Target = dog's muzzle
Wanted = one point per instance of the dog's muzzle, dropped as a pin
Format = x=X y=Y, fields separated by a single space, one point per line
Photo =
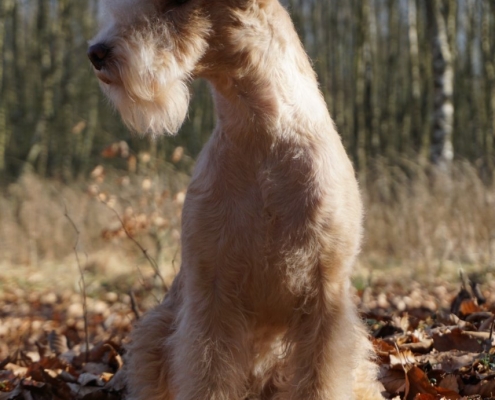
x=97 y=54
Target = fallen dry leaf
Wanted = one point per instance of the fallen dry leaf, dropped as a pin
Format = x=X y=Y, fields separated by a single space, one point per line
x=43 y=347
x=456 y=339
x=417 y=383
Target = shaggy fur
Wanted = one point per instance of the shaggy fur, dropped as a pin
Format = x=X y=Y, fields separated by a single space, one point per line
x=261 y=307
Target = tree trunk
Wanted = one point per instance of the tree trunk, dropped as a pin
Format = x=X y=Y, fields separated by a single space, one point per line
x=489 y=65
x=441 y=149
x=5 y=8
x=40 y=150
x=416 y=123
x=360 y=111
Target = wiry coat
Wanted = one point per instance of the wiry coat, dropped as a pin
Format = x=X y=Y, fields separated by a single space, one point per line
x=272 y=220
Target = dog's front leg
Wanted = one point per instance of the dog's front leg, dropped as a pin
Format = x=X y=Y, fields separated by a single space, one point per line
x=210 y=351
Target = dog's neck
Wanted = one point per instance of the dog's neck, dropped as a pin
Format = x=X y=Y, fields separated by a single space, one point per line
x=271 y=86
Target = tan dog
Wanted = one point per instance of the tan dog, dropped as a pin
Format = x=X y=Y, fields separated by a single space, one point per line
x=272 y=220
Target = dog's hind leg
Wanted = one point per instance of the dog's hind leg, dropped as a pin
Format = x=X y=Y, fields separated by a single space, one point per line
x=325 y=348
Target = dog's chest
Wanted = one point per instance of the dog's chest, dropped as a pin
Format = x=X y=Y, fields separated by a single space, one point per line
x=251 y=219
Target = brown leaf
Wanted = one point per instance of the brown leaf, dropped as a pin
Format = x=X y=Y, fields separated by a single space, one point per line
x=484 y=389
x=450 y=361
x=418 y=387
x=425 y=396
x=468 y=307
x=57 y=342
x=16 y=369
x=465 y=304
x=177 y=154
x=422 y=347
x=52 y=363
x=405 y=357
x=450 y=382
x=456 y=339
x=382 y=347
x=448 y=394
x=393 y=380
x=383 y=350
x=417 y=383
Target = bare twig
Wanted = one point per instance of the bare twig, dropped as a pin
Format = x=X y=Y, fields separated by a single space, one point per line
x=488 y=343
x=150 y=259
x=400 y=355
x=134 y=307
x=174 y=259
x=82 y=282
x=465 y=282
x=143 y=283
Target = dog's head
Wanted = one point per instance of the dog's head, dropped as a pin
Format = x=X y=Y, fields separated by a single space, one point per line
x=148 y=50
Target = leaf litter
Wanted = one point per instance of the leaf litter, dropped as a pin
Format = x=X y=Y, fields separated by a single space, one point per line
x=432 y=342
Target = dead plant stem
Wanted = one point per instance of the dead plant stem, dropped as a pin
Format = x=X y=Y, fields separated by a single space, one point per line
x=82 y=282
x=150 y=259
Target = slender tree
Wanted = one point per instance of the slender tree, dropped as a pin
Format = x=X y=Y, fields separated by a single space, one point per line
x=416 y=123
x=392 y=73
x=5 y=10
x=442 y=151
x=489 y=69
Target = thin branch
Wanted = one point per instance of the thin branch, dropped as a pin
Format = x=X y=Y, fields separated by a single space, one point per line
x=150 y=259
x=490 y=338
x=175 y=258
x=82 y=282
x=134 y=307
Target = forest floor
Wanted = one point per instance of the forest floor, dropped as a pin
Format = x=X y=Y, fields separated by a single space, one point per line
x=433 y=338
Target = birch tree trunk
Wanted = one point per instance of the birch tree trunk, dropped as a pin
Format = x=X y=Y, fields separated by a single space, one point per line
x=441 y=149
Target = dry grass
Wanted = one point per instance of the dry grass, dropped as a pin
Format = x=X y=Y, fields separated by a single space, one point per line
x=37 y=240
x=428 y=222
x=418 y=224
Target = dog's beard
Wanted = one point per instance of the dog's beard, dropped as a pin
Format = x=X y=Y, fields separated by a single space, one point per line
x=164 y=112
x=148 y=88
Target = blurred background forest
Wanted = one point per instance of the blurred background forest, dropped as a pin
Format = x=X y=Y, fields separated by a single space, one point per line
x=409 y=83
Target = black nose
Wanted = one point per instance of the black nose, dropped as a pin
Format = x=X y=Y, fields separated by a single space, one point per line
x=97 y=55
